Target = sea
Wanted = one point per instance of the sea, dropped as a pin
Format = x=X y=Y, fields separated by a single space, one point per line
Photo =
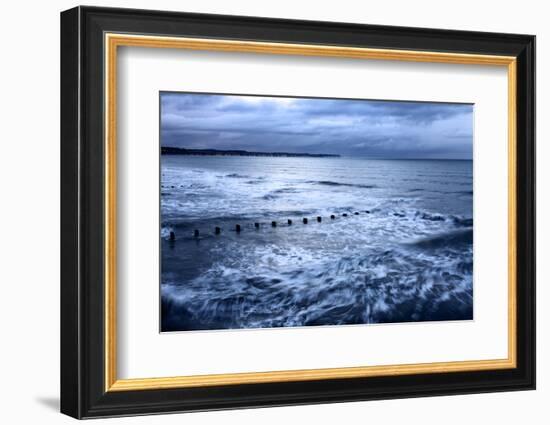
x=386 y=241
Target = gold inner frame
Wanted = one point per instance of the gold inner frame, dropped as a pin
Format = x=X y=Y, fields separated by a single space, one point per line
x=113 y=41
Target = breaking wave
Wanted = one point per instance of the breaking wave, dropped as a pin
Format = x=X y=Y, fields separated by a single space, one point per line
x=425 y=278
x=400 y=253
x=385 y=286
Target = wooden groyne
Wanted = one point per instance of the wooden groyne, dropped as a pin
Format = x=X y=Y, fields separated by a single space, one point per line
x=239 y=228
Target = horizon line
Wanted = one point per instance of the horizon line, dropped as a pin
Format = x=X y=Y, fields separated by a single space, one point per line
x=333 y=155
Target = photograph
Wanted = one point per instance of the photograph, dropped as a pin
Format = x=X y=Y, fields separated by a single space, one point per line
x=291 y=211
x=268 y=211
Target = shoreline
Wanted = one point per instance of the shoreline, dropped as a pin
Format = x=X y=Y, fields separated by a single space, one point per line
x=169 y=150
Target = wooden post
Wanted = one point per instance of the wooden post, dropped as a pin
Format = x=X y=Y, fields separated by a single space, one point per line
x=196 y=233
x=217 y=230
x=356 y=213
x=237 y=228
x=289 y=221
x=304 y=220
x=319 y=219
x=345 y=215
x=172 y=236
x=332 y=217
x=273 y=224
x=257 y=225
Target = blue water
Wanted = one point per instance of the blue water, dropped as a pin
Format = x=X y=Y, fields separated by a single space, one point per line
x=406 y=256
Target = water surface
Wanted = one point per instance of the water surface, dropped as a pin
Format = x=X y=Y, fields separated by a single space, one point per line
x=406 y=256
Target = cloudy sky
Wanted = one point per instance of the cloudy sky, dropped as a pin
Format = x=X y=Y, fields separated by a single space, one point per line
x=376 y=129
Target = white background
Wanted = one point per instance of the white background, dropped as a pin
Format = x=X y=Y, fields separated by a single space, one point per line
x=29 y=228
x=140 y=346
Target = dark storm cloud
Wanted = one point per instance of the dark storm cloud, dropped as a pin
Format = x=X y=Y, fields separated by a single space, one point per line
x=348 y=127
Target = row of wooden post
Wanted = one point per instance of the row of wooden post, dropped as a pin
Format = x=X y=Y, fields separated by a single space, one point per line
x=238 y=228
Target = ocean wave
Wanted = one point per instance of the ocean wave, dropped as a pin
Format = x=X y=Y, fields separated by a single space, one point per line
x=333 y=183
x=278 y=193
x=286 y=190
x=397 y=220
x=377 y=287
x=454 y=239
x=406 y=256
x=236 y=176
x=455 y=192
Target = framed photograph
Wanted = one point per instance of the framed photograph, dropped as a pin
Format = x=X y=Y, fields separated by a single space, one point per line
x=261 y=212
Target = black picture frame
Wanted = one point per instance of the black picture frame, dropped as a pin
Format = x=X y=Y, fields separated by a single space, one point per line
x=83 y=392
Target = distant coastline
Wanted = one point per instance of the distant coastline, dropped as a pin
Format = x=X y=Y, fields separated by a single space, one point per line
x=170 y=150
